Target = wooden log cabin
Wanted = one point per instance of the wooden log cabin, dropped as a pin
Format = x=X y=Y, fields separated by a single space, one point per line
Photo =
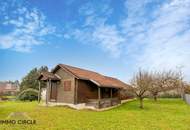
x=72 y=85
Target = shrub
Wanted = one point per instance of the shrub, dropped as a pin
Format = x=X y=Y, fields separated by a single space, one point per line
x=28 y=94
x=168 y=95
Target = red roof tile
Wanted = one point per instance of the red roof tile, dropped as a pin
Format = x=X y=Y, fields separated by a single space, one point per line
x=99 y=79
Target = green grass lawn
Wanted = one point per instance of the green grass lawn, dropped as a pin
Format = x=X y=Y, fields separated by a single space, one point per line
x=165 y=114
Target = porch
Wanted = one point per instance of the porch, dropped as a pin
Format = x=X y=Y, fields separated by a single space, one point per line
x=50 y=93
x=103 y=103
x=107 y=97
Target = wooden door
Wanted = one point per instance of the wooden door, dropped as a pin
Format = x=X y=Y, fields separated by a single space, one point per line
x=53 y=95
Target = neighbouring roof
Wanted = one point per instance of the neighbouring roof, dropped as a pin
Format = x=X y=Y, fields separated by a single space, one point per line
x=48 y=76
x=98 y=79
x=6 y=86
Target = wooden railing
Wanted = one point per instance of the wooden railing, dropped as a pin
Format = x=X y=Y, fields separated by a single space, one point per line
x=102 y=103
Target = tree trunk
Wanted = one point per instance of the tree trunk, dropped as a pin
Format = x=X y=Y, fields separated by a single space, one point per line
x=183 y=94
x=141 y=103
x=155 y=98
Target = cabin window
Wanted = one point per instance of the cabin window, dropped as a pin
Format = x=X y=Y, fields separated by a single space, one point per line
x=67 y=85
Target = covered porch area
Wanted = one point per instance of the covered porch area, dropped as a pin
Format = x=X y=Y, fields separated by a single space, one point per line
x=107 y=97
x=51 y=82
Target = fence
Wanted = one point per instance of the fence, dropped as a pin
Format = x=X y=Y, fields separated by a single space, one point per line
x=105 y=102
x=187 y=98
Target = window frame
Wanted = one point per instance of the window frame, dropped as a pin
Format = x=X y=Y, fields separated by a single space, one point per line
x=67 y=85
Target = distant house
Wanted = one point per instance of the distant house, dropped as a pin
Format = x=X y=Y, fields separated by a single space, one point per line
x=76 y=86
x=8 y=88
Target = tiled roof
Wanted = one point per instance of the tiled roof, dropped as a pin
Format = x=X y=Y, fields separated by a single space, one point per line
x=99 y=79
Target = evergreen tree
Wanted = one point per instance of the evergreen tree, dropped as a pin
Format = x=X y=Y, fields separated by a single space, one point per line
x=30 y=80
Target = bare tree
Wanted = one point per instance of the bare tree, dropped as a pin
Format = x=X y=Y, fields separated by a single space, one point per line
x=155 y=87
x=145 y=83
x=140 y=85
x=164 y=81
x=186 y=88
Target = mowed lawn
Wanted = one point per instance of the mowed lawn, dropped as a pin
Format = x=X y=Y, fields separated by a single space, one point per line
x=165 y=114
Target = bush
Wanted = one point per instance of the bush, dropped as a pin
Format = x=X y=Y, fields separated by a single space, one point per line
x=168 y=95
x=28 y=94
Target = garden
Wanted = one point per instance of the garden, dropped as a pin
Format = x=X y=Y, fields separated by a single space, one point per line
x=164 y=114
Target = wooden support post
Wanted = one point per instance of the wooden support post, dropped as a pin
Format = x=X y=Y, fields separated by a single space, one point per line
x=56 y=90
x=76 y=91
x=111 y=96
x=47 y=91
x=111 y=93
x=39 y=91
x=50 y=90
x=99 y=96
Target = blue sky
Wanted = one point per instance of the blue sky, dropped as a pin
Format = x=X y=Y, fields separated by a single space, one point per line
x=113 y=37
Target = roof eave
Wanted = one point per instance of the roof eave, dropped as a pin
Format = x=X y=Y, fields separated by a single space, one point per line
x=117 y=87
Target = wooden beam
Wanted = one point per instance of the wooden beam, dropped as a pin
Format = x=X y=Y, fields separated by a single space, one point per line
x=47 y=91
x=111 y=96
x=39 y=91
x=111 y=93
x=76 y=90
x=99 y=96
x=50 y=90
x=56 y=85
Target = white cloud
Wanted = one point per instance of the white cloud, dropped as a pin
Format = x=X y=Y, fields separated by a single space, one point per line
x=109 y=39
x=96 y=31
x=164 y=40
x=28 y=27
x=154 y=38
x=105 y=36
x=66 y=36
x=154 y=34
